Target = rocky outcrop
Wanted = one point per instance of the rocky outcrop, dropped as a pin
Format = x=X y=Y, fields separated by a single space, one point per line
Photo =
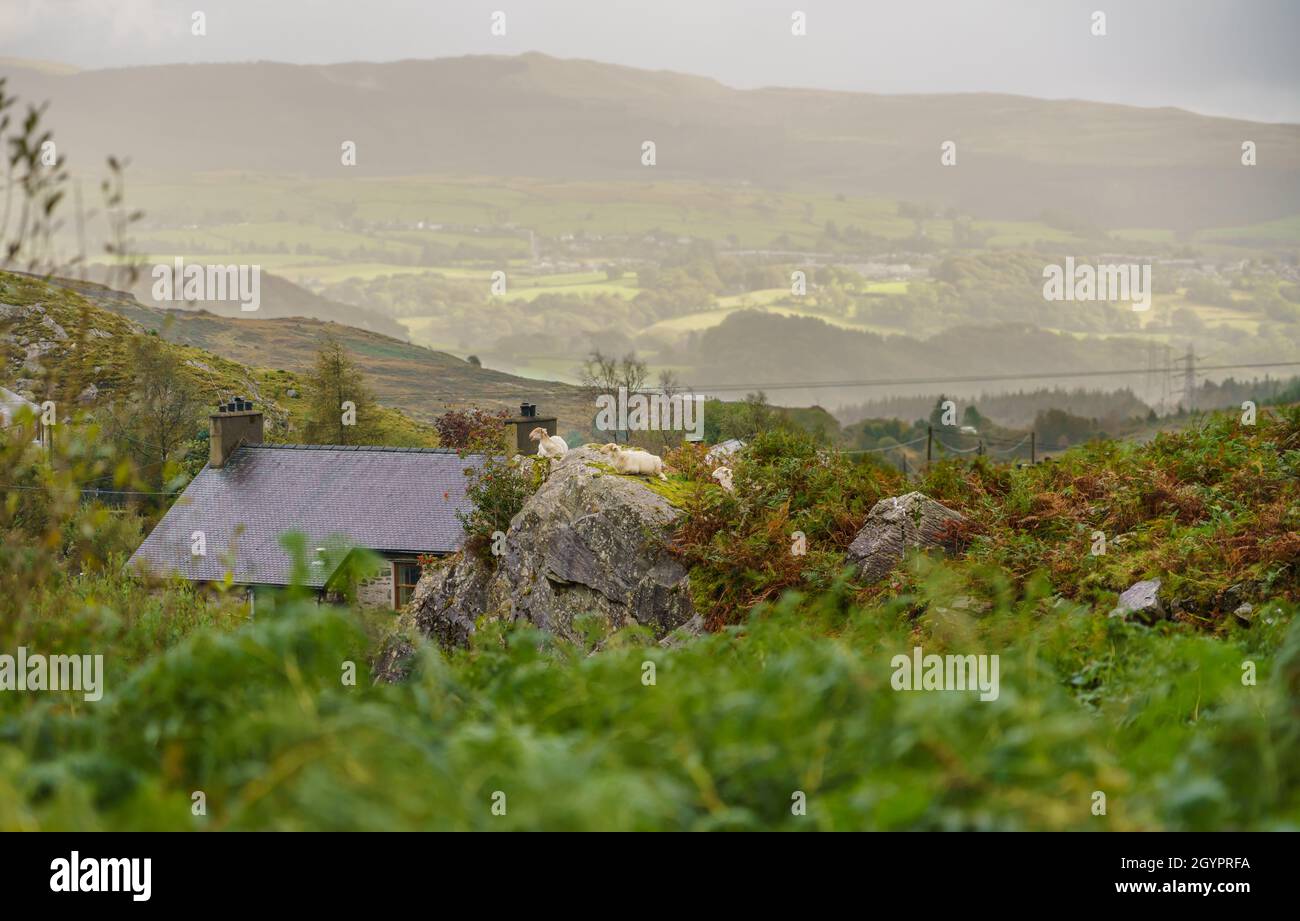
x=896 y=525
x=449 y=599
x=588 y=543
x=1141 y=600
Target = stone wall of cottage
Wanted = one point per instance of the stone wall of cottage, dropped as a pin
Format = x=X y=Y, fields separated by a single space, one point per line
x=377 y=591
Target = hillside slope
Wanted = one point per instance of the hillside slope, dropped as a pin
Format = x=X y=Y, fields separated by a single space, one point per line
x=56 y=344
x=279 y=297
x=418 y=381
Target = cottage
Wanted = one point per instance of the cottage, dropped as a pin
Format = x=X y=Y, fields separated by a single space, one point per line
x=17 y=411
x=398 y=503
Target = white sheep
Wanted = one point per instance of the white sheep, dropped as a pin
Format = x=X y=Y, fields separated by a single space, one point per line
x=723 y=476
x=548 y=445
x=639 y=463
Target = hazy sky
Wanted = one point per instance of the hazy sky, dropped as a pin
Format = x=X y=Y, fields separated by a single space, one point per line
x=1221 y=57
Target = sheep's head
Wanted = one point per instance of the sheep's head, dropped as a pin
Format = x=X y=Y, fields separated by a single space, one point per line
x=609 y=448
x=538 y=434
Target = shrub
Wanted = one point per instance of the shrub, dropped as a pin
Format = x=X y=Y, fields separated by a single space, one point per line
x=741 y=546
x=467 y=429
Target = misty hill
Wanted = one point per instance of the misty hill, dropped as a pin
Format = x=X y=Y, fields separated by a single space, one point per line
x=534 y=115
x=279 y=298
x=420 y=382
x=750 y=348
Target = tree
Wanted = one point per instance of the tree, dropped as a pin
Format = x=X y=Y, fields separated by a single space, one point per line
x=604 y=375
x=467 y=429
x=745 y=419
x=937 y=413
x=341 y=409
x=670 y=386
x=159 y=418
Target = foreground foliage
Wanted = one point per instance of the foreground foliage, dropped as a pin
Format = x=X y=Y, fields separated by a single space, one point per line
x=799 y=700
x=792 y=697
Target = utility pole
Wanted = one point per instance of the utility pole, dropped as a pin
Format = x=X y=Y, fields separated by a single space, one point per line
x=1166 y=385
x=929 y=443
x=1150 y=384
x=1033 y=447
x=1189 y=380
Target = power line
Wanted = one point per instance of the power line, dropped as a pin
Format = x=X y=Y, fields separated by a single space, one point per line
x=1013 y=447
x=970 y=379
x=905 y=444
x=524 y=390
x=88 y=489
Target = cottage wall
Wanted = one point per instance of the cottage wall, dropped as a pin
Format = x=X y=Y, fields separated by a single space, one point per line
x=377 y=591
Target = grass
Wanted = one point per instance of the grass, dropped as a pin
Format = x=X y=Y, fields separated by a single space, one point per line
x=797 y=700
x=1283 y=230
x=309 y=211
x=793 y=699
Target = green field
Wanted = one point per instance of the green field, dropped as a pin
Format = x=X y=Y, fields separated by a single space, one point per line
x=707 y=319
x=1285 y=230
x=315 y=211
x=322 y=231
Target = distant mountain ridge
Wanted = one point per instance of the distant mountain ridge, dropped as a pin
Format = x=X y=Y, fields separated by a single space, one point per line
x=534 y=115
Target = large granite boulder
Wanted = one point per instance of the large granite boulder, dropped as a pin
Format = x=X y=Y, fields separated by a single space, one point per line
x=897 y=524
x=588 y=543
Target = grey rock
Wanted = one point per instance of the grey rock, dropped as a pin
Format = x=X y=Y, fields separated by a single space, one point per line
x=1142 y=599
x=1245 y=613
x=683 y=634
x=291 y=393
x=57 y=331
x=587 y=543
x=896 y=525
x=88 y=394
x=393 y=664
x=18 y=311
x=34 y=353
x=447 y=602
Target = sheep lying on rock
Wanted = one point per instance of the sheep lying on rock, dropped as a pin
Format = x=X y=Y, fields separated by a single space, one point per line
x=634 y=461
x=548 y=445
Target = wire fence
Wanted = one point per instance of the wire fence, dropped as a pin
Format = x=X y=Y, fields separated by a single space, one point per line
x=918 y=453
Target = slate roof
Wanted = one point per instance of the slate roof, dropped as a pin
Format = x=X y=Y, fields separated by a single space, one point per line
x=384 y=499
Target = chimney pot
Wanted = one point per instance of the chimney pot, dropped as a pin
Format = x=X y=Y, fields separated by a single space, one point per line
x=233 y=425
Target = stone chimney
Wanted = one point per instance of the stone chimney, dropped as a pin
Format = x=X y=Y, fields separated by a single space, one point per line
x=233 y=424
x=518 y=427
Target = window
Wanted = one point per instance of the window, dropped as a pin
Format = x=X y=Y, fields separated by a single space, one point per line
x=405 y=575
